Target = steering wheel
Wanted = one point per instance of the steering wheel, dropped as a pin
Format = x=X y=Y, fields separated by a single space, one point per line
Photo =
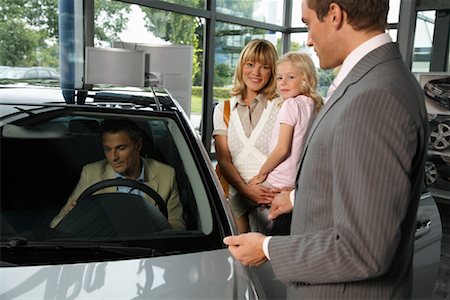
x=129 y=183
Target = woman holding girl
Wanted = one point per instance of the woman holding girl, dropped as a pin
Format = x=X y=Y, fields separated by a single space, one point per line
x=242 y=145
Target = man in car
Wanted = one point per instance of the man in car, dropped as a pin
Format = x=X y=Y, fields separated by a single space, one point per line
x=122 y=142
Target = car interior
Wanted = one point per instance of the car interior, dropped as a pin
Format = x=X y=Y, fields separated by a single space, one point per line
x=43 y=162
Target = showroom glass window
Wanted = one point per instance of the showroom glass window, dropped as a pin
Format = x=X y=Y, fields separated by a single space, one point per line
x=28 y=38
x=230 y=39
x=267 y=11
x=190 y=3
x=423 y=40
x=145 y=25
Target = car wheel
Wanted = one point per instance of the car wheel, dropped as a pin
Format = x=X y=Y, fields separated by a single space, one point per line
x=440 y=135
x=430 y=173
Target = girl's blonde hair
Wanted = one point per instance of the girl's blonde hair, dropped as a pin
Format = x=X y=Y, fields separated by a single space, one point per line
x=261 y=51
x=304 y=64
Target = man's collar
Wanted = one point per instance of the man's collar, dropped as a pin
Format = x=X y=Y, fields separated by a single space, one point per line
x=358 y=53
x=141 y=175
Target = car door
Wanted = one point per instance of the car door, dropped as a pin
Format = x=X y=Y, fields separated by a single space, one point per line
x=427 y=250
x=427 y=247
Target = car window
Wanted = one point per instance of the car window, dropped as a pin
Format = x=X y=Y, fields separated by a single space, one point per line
x=13 y=73
x=41 y=162
x=31 y=74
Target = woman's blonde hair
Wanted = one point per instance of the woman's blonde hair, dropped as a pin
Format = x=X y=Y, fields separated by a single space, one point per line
x=304 y=64
x=261 y=51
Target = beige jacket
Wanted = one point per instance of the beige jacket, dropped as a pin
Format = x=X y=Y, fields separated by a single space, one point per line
x=158 y=176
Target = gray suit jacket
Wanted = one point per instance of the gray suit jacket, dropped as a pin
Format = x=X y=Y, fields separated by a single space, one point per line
x=358 y=188
x=158 y=176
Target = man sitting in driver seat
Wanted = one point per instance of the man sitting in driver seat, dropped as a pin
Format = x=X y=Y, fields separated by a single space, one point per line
x=122 y=142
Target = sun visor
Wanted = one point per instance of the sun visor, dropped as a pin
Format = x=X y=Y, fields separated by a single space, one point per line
x=47 y=131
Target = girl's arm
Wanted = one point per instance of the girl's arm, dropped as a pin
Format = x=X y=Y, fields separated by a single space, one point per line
x=281 y=151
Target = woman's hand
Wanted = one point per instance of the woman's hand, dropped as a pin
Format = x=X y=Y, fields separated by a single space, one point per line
x=260 y=194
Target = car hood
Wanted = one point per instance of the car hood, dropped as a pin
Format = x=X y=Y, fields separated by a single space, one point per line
x=204 y=275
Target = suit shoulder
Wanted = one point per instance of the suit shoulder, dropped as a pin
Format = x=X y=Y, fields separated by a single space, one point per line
x=101 y=164
x=155 y=164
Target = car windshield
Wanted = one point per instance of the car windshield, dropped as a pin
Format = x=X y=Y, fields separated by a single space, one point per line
x=43 y=151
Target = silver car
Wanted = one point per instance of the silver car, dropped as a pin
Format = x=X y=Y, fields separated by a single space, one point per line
x=111 y=245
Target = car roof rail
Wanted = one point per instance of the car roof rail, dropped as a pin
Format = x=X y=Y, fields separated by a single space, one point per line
x=156 y=98
x=119 y=98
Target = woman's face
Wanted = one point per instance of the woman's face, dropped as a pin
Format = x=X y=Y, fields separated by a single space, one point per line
x=255 y=76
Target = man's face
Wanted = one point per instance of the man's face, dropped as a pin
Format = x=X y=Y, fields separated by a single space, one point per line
x=122 y=153
x=320 y=36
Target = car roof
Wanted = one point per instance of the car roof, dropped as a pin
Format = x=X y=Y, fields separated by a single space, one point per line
x=156 y=99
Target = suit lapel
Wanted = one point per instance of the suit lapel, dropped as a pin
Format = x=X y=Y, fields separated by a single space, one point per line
x=367 y=63
x=150 y=177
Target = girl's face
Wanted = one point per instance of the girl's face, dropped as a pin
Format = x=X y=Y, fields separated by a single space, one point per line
x=289 y=80
x=255 y=76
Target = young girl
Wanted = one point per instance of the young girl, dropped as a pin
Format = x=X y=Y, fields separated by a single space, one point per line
x=297 y=84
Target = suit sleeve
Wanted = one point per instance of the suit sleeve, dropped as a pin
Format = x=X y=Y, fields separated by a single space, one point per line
x=372 y=147
x=79 y=188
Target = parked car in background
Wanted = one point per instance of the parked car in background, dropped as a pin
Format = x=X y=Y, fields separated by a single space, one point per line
x=29 y=73
x=46 y=142
x=437 y=91
x=3 y=68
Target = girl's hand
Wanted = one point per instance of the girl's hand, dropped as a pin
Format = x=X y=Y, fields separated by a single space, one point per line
x=257 y=179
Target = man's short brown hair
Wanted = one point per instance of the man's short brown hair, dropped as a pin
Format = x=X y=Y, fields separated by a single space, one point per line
x=362 y=15
x=116 y=125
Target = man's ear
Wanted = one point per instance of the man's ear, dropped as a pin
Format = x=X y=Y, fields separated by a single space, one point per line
x=336 y=15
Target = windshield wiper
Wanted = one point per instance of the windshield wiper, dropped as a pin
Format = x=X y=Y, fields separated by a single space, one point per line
x=110 y=247
x=16 y=242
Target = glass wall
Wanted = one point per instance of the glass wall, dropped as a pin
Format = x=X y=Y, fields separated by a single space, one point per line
x=394 y=11
x=267 y=11
x=28 y=39
x=190 y=3
x=423 y=41
x=30 y=36
x=121 y=25
x=229 y=41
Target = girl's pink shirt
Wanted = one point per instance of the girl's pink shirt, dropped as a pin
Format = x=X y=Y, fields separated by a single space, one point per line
x=299 y=113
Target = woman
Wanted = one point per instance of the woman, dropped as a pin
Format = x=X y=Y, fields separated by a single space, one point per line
x=242 y=146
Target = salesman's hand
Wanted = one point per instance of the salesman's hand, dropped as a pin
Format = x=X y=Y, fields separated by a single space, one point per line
x=281 y=204
x=247 y=248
